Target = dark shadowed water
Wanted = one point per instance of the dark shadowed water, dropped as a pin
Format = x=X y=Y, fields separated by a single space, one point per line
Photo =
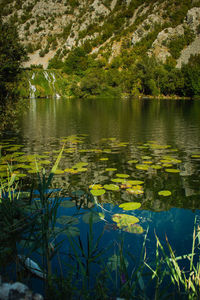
x=157 y=142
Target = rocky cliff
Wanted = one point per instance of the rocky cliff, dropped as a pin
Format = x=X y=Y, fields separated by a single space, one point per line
x=104 y=28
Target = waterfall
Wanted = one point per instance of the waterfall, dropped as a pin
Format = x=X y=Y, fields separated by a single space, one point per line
x=46 y=75
x=32 y=87
x=53 y=83
x=50 y=77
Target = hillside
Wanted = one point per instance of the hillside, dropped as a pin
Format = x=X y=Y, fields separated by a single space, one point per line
x=105 y=28
x=130 y=47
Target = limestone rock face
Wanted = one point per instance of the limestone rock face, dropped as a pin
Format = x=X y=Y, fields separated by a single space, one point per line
x=193 y=18
x=146 y=27
x=159 y=48
x=56 y=27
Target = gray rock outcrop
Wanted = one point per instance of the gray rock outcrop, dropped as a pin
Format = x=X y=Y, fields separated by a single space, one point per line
x=17 y=291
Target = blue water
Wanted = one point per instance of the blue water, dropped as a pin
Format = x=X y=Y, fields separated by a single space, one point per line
x=137 y=123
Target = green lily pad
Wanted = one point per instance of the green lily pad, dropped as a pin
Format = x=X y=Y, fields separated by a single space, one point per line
x=135 y=191
x=71 y=231
x=111 y=187
x=103 y=158
x=111 y=169
x=65 y=220
x=172 y=170
x=94 y=217
x=133 y=161
x=142 y=167
x=80 y=165
x=135 y=228
x=156 y=167
x=195 y=156
x=146 y=157
x=135 y=182
x=123 y=175
x=124 y=220
x=130 y=205
x=67 y=204
x=119 y=180
x=164 y=193
x=167 y=165
x=98 y=192
x=95 y=186
x=78 y=193
x=147 y=162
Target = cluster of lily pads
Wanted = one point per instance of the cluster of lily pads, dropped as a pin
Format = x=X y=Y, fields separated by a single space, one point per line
x=104 y=169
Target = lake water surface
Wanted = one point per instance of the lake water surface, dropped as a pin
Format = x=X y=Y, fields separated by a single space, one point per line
x=153 y=141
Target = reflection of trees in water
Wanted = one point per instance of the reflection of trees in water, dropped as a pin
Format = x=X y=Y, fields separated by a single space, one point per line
x=134 y=121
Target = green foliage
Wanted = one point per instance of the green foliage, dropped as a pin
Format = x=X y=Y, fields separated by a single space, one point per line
x=76 y=62
x=12 y=54
x=191 y=74
x=55 y=63
x=177 y=43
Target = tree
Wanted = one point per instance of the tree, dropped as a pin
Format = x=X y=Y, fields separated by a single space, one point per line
x=191 y=73
x=12 y=54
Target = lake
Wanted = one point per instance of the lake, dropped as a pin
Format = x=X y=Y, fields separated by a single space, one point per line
x=116 y=152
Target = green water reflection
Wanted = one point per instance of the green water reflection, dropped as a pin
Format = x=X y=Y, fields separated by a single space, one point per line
x=102 y=126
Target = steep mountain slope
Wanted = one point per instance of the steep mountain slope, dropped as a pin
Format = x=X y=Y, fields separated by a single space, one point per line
x=105 y=28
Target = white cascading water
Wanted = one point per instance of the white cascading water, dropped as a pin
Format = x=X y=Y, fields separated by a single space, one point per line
x=32 y=87
x=51 y=80
x=53 y=83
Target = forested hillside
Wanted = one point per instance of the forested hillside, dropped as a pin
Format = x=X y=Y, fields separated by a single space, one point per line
x=131 y=47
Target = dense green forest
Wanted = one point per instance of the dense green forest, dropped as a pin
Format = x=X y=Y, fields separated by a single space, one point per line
x=133 y=73
x=12 y=54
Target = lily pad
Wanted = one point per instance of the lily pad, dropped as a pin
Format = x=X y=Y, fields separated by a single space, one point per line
x=195 y=156
x=123 y=175
x=130 y=205
x=156 y=167
x=94 y=217
x=172 y=170
x=71 y=231
x=95 y=186
x=111 y=169
x=164 y=193
x=119 y=180
x=67 y=204
x=80 y=165
x=167 y=165
x=142 y=167
x=135 y=182
x=111 y=187
x=65 y=220
x=146 y=157
x=135 y=191
x=133 y=161
x=135 y=228
x=99 y=192
x=103 y=158
x=124 y=220
x=78 y=193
